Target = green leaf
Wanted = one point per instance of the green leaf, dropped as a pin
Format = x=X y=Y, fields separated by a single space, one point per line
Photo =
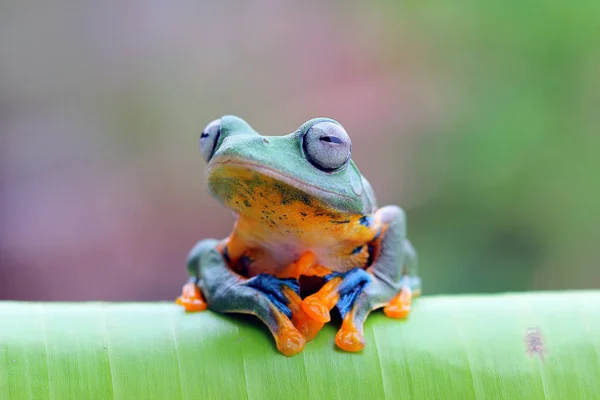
x=459 y=347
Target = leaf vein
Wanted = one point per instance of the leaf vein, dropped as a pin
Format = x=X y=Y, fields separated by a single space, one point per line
x=107 y=344
x=176 y=347
x=243 y=364
x=378 y=354
x=45 y=339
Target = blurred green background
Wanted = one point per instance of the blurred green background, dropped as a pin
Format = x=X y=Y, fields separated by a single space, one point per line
x=479 y=118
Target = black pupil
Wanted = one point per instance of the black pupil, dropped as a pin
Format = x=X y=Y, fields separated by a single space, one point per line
x=204 y=135
x=331 y=139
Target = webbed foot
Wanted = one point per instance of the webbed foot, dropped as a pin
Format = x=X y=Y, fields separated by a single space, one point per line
x=341 y=290
x=391 y=281
x=375 y=294
x=228 y=292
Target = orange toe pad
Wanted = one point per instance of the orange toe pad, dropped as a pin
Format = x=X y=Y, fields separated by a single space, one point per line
x=191 y=299
x=301 y=320
x=350 y=340
x=306 y=325
x=290 y=342
x=397 y=310
x=399 y=306
x=316 y=309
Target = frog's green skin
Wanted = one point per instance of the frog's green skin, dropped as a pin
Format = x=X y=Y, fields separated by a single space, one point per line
x=296 y=218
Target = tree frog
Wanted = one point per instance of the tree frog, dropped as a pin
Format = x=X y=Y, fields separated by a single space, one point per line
x=302 y=209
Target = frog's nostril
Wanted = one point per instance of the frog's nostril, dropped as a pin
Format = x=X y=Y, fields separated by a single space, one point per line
x=265 y=141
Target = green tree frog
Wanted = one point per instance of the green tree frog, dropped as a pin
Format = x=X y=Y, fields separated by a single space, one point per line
x=303 y=213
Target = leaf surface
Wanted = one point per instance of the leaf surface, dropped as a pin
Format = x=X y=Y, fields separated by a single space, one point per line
x=463 y=347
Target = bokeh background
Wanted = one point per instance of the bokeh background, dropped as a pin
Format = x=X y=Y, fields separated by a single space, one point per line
x=481 y=119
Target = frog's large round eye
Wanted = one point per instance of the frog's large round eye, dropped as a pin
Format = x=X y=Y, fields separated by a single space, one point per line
x=327 y=146
x=209 y=138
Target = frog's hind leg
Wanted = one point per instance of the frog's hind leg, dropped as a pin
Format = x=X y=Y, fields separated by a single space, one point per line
x=394 y=279
x=399 y=306
x=375 y=295
x=389 y=281
x=263 y=295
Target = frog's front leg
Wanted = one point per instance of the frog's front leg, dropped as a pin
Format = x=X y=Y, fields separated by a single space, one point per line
x=265 y=296
x=389 y=282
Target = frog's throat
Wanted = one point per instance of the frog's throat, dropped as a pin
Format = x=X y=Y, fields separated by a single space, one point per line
x=278 y=176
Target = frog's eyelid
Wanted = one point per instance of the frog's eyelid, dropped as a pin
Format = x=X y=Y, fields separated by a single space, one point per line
x=331 y=139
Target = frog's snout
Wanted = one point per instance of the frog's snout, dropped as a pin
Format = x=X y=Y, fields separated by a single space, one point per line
x=241 y=146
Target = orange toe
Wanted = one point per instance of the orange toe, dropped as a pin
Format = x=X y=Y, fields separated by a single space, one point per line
x=191 y=299
x=350 y=340
x=191 y=305
x=315 y=309
x=290 y=342
x=306 y=325
x=399 y=306
x=397 y=310
x=301 y=320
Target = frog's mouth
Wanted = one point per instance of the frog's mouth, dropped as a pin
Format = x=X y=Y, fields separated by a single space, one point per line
x=272 y=173
x=240 y=184
x=234 y=164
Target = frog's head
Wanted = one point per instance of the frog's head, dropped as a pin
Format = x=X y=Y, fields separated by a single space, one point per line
x=311 y=165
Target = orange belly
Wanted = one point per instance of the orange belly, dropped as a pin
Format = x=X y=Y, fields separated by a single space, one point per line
x=277 y=224
x=272 y=249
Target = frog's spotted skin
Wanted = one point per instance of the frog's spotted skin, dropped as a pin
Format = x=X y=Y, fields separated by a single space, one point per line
x=277 y=224
x=302 y=209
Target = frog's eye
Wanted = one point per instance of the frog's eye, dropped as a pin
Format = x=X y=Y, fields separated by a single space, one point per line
x=327 y=146
x=209 y=138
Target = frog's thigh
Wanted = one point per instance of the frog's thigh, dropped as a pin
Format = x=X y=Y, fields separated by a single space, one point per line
x=262 y=295
x=389 y=284
x=388 y=266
